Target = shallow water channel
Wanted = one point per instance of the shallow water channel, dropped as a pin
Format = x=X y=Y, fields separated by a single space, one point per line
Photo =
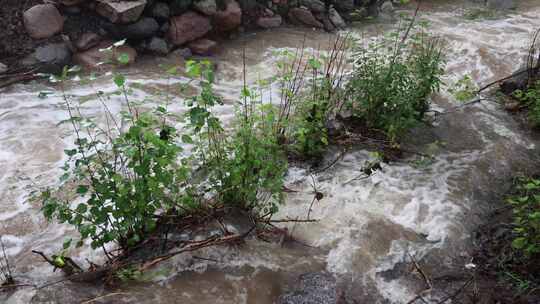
x=367 y=227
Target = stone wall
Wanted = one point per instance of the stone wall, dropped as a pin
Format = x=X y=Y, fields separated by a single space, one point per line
x=75 y=30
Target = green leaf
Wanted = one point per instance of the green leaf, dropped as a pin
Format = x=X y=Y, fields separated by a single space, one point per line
x=119 y=80
x=66 y=244
x=519 y=243
x=187 y=139
x=82 y=189
x=123 y=58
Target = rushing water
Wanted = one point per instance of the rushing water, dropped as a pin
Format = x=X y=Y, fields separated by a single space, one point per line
x=367 y=227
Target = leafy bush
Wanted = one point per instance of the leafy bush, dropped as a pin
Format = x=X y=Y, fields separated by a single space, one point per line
x=124 y=176
x=130 y=172
x=526 y=210
x=312 y=93
x=393 y=78
x=531 y=98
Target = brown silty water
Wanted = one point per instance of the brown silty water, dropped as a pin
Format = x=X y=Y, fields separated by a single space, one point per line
x=367 y=228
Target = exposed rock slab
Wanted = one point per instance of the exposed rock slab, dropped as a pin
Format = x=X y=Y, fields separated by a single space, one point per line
x=269 y=22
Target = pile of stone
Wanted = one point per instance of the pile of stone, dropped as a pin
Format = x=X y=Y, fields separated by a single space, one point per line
x=160 y=27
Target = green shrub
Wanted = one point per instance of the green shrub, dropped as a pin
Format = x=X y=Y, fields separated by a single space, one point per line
x=393 y=79
x=531 y=98
x=526 y=214
x=124 y=177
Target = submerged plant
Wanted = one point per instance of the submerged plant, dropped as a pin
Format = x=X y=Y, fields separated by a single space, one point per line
x=393 y=79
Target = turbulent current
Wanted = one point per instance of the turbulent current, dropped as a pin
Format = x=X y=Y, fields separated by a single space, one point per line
x=367 y=228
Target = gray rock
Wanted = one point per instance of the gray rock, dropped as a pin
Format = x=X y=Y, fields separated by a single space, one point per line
x=161 y=11
x=207 y=7
x=336 y=19
x=182 y=52
x=304 y=16
x=314 y=288
x=501 y=4
x=144 y=28
x=165 y=27
x=43 y=21
x=3 y=68
x=158 y=46
x=120 y=11
x=315 y=6
x=387 y=7
x=188 y=27
x=50 y=58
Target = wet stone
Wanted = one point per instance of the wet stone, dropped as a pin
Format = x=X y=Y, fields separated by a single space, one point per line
x=314 y=288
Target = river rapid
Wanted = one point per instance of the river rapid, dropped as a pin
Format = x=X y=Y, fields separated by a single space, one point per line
x=367 y=229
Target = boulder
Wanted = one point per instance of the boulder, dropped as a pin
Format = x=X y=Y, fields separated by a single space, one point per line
x=144 y=28
x=50 y=58
x=104 y=53
x=120 y=11
x=336 y=19
x=3 y=68
x=179 y=7
x=207 y=7
x=188 y=27
x=314 y=288
x=202 y=47
x=269 y=22
x=344 y=6
x=230 y=18
x=43 y=21
x=304 y=16
x=157 y=46
x=161 y=11
x=315 y=6
x=501 y=4
x=87 y=41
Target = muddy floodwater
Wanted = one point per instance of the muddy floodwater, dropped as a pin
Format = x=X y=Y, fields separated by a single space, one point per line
x=367 y=228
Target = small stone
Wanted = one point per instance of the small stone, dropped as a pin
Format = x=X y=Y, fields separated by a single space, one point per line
x=207 y=7
x=182 y=52
x=72 y=2
x=202 y=47
x=269 y=22
x=43 y=21
x=120 y=11
x=188 y=27
x=512 y=106
x=3 y=68
x=87 y=41
x=158 y=46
